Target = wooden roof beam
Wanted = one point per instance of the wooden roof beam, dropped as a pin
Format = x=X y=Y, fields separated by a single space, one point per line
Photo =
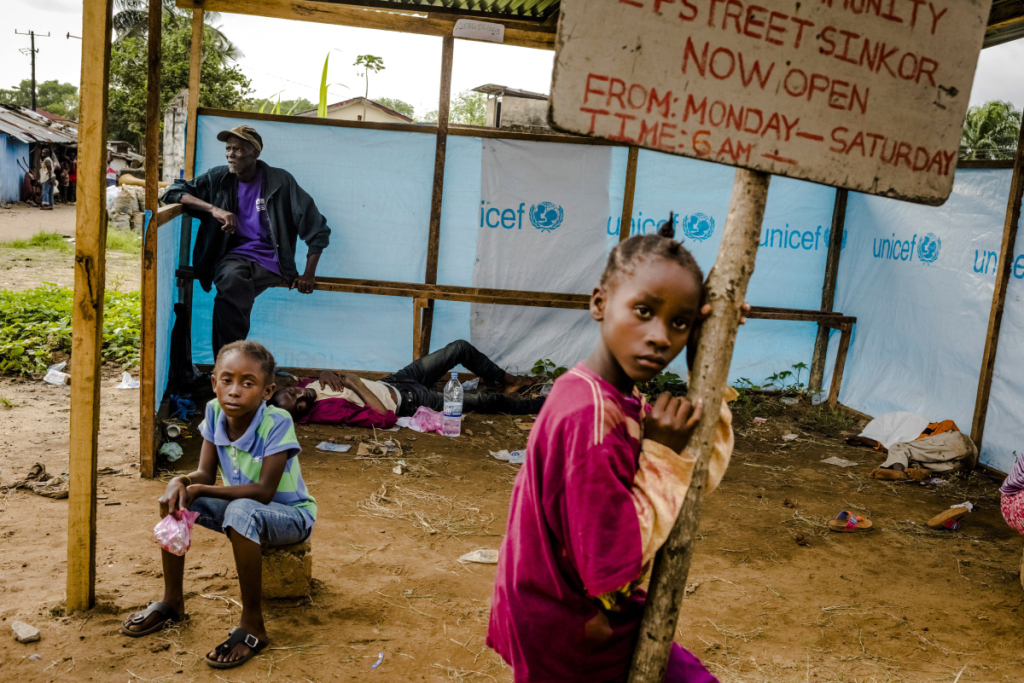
x=1005 y=23
x=345 y=15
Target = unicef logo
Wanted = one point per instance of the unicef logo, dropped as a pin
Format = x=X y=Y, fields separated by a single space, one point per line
x=828 y=237
x=699 y=226
x=546 y=216
x=928 y=249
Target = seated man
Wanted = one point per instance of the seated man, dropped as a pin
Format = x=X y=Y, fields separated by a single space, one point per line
x=346 y=399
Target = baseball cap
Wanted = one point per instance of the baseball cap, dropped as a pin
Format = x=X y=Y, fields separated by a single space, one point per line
x=247 y=133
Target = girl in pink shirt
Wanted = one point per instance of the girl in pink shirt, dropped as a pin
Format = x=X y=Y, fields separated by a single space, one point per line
x=604 y=479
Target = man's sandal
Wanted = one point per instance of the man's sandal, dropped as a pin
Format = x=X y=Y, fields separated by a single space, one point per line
x=847 y=522
x=167 y=616
x=237 y=636
x=939 y=520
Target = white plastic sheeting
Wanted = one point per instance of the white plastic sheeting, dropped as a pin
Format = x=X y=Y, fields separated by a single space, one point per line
x=920 y=280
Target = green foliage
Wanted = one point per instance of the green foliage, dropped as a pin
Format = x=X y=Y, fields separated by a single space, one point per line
x=786 y=381
x=35 y=324
x=222 y=87
x=827 y=419
x=546 y=367
x=117 y=240
x=6 y=402
x=128 y=242
x=53 y=96
x=468 y=108
x=665 y=381
x=132 y=21
x=991 y=131
x=40 y=240
x=398 y=105
x=321 y=109
x=370 y=64
x=287 y=107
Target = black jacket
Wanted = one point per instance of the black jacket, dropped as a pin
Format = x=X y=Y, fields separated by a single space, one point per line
x=290 y=210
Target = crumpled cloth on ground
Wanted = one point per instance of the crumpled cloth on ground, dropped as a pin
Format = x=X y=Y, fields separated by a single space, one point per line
x=939 y=453
x=41 y=483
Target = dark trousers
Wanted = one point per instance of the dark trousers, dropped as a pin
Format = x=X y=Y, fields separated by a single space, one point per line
x=415 y=382
x=72 y=192
x=238 y=282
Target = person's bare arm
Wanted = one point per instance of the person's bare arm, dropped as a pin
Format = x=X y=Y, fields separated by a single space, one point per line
x=307 y=281
x=228 y=220
x=339 y=381
x=261 y=491
x=176 y=495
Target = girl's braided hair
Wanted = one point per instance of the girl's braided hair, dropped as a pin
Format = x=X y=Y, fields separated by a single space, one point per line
x=626 y=255
x=255 y=351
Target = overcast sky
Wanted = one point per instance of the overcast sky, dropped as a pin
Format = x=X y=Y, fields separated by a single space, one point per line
x=288 y=56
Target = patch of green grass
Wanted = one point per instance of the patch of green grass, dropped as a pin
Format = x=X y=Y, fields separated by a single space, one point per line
x=6 y=402
x=117 y=240
x=824 y=418
x=128 y=242
x=40 y=240
x=35 y=324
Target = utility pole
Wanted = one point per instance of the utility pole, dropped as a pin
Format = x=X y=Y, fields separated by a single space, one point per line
x=31 y=52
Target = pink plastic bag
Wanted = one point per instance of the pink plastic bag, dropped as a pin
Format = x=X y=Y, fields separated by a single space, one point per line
x=426 y=420
x=174 y=532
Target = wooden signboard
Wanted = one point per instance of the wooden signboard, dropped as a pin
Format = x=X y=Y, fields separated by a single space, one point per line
x=869 y=95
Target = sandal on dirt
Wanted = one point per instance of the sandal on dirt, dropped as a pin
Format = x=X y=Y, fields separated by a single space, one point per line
x=847 y=522
x=167 y=616
x=940 y=519
x=237 y=636
x=919 y=474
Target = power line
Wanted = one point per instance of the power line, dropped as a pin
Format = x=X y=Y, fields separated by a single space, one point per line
x=31 y=52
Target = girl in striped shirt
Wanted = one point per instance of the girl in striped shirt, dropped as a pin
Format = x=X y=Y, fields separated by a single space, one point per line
x=263 y=499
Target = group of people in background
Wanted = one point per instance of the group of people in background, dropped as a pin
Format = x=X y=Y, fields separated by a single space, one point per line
x=57 y=180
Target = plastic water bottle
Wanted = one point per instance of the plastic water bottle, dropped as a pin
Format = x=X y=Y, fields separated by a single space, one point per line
x=452 y=421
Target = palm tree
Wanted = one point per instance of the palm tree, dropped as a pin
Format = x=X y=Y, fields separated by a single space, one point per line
x=991 y=131
x=132 y=21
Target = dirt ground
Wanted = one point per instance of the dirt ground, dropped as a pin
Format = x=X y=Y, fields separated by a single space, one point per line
x=901 y=603
x=27 y=268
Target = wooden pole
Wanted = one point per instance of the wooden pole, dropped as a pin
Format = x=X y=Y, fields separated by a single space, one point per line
x=627 y=201
x=434 y=238
x=194 y=75
x=837 y=373
x=87 y=311
x=147 y=355
x=995 y=318
x=725 y=291
x=828 y=290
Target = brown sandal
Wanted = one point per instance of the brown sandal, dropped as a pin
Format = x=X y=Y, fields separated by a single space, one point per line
x=847 y=522
x=940 y=519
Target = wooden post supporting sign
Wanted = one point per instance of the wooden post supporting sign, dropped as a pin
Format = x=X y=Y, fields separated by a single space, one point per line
x=995 y=318
x=194 y=76
x=434 y=238
x=771 y=92
x=725 y=291
x=87 y=311
x=626 y=224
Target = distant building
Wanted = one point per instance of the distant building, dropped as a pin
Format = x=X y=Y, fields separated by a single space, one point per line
x=515 y=109
x=361 y=109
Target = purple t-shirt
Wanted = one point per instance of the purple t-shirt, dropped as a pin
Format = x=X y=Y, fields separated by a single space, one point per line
x=252 y=240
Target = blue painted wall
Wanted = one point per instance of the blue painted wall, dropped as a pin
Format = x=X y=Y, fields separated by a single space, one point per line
x=11 y=175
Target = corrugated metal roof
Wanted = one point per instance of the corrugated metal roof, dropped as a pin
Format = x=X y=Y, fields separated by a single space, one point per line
x=537 y=11
x=28 y=126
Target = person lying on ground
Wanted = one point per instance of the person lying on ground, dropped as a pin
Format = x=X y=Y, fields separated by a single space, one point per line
x=1011 y=494
x=603 y=481
x=915 y=448
x=263 y=500
x=345 y=398
x=251 y=216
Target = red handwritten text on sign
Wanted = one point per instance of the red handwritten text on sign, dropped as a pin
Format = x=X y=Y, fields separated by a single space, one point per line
x=865 y=94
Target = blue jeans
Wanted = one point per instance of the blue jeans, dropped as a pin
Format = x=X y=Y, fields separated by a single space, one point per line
x=48 y=193
x=273 y=524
